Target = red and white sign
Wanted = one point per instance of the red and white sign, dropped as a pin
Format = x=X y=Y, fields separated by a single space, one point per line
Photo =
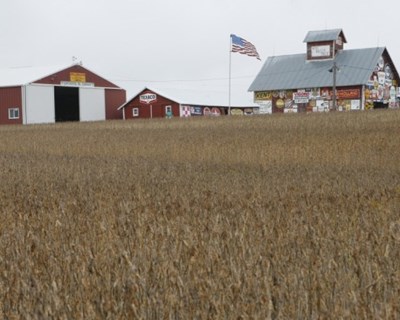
x=185 y=111
x=301 y=97
x=215 y=112
x=148 y=98
x=207 y=111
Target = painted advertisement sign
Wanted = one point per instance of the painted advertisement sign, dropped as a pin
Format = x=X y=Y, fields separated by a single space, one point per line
x=196 y=111
x=346 y=93
x=185 y=111
x=265 y=107
x=147 y=98
x=215 y=112
x=236 y=112
x=76 y=84
x=301 y=97
x=77 y=77
x=320 y=51
x=207 y=111
x=262 y=95
x=322 y=106
x=382 y=86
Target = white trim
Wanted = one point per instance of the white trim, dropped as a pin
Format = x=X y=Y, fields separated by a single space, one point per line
x=60 y=85
x=10 y=111
x=23 y=97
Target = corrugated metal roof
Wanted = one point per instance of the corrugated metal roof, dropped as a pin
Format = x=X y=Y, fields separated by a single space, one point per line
x=197 y=97
x=18 y=76
x=323 y=35
x=295 y=72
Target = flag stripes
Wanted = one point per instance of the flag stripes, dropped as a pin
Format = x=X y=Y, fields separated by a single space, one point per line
x=244 y=47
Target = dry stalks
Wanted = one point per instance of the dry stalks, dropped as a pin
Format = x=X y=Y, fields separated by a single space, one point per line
x=277 y=217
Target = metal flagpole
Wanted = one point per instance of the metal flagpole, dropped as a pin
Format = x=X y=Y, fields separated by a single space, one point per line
x=230 y=62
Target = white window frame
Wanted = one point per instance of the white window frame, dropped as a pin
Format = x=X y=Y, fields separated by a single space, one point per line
x=135 y=112
x=13 y=113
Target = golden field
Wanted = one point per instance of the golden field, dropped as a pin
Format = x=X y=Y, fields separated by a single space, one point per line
x=264 y=217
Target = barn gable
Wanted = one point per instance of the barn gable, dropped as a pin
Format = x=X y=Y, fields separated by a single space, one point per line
x=76 y=75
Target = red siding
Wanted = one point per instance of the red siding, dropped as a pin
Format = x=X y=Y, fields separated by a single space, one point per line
x=10 y=98
x=155 y=109
x=64 y=75
x=114 y=99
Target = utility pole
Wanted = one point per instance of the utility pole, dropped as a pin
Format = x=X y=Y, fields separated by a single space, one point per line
x=334 y=70
x=230 y=74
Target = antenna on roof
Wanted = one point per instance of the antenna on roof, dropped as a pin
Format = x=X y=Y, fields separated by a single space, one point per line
x=75 y=61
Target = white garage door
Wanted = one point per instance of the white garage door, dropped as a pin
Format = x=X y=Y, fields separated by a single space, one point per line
x=92 y=104
x=39 y=104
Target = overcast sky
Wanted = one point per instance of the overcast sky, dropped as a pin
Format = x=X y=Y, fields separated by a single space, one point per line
x=182 y=43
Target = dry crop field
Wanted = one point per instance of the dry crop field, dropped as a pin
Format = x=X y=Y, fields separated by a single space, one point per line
x=265 y=217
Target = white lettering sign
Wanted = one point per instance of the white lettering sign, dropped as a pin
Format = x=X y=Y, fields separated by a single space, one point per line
x=301 y=97
x=320 y=51
x=76 y=84
x=148 y=98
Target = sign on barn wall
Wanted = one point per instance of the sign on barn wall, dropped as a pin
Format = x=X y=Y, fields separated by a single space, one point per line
x=76 y=84
x=262 y=95
x=197 y=111
x=148 y=98
x=301 y=97
x=77 y=77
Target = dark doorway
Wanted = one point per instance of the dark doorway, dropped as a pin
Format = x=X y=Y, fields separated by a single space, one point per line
x=380 y=105
x=66 y=104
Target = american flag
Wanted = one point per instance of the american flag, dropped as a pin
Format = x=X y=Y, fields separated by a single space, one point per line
x=244 y=47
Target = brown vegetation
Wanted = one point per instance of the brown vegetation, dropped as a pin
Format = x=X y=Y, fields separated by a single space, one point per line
x=267 y=217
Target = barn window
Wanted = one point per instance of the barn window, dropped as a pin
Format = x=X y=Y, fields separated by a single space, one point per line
x=13 y=113
x=135 y=112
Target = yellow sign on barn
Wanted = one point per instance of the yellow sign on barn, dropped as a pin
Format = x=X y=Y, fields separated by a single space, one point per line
x=77 y=77
x=263 y=95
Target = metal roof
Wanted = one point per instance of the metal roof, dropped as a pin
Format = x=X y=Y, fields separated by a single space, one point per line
x=199 y=97
x=295 y=72
x=19 y=76
x=324 y=35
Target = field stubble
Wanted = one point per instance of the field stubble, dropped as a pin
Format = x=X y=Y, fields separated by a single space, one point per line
x=277 y=217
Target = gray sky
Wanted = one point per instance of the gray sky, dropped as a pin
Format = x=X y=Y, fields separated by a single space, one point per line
x=137 y=43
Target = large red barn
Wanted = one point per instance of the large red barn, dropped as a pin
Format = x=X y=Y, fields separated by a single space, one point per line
x=70 y=94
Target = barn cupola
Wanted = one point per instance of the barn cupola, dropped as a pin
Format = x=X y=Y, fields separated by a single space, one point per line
x=323 y=45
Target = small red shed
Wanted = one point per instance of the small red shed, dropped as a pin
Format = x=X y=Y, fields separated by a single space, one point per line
x=149 y=104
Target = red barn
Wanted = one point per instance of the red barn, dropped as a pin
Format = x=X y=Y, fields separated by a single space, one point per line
x=70 y=94
x=149 y=103
x=327 y=77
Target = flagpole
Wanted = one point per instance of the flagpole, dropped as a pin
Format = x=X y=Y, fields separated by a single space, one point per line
x=230 y=64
